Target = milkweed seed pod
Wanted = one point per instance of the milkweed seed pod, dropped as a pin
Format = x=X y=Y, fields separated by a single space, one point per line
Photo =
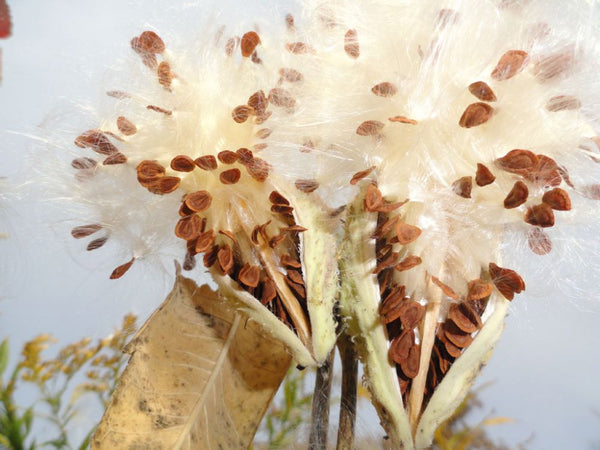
x=196 y=129
x=464 y=124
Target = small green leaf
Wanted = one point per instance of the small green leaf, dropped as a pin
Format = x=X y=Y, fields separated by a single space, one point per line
x=3 y=355
x=28 y=419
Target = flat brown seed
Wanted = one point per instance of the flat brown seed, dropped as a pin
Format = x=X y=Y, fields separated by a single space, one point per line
x=290 y=75
x=125 y=126
x=210 y=256
x=563 y=103
x=286 y=210
x=230 y=176
x=299 y=48
x=249 y=275
x=388 y=261
x=511 y=63
x=507 y=281
x=306 y=186
x=403 y=119
x=553 y=66
x=205 y=241
x=401 y=345
x=241 y=113
x=411 y=314
x=263 y=133
x=539 y=242
x=288 y=261
x=295 y=276
x=96 y=243
x=165 y=76
x=455 y=335
x=385 y=89
x=408 y=263
x=518 y=161
x=225 y=258
x=227 y=157
x=85 y=230
x=182 y=163
x=478 y=289
x=258 y=102
x=558 y=199
x=149 y=171
x=269 y=291
x=198 y=201
x=258 y=169
x=463 y=187
x=484 y=176
x=97 y=141
x=151 y=42
x=245 y=156
x=517 y=195
x=390 y=308
x=476 y=114
x=230 y=46
x=289 y=22
x=546 y=173
x=447 y=290
x=115 y=158
x=206 y=162
x=164 y=185
x=118 y=94
x=464 y=317
x=540 y=216
x=351 y=46
x=369 y=128
x=277 y=199
x=276 y=240
x=282 y=98
x=83 y=163
x=407 y=233
x=120 y=271
x=373 y=198
x=189 y=227
x=361 y=175
x=482 y=91
x=249 y=42
x=229 y=234
x=452 y=349
x=410 y=366
x=166 y=112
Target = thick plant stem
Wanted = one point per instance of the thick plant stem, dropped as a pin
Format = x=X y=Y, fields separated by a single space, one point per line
x=345 y=437
x=320 y=406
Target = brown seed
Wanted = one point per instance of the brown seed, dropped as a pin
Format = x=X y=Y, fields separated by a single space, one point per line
x=307 y=186
x=149 y=171
x=116 y=158
x=511 y=63
x=390 y=308
x=230 y=46
x=245 y=156
x=408 y=263
x=263 y=133
x=258 y=169
x=411 y=313
x=189 y=227
x=293 y=229
x=249 y=42
x=373 y=198
x=369 y=128
x=83 y=163
x=388 y=261
x=205 y=241
x=184 y=210
x=118 y=94
x=411 y=365
x=249 y=275
x=166 y=112
x=227 y=157
x=85 y=230
x=563 y=103
x=557 y=199
x=351 y=46
x=407 y=233
x=539 y=242
x=206 y=162
x=482 y=91
x=540 y=216
x=553 y=66
x=164 y=185
x=289 y=22
x=125 y=126
x=210 y=256
x=97 y=141
x=360 y=175
x=403 y=119
x=120 y=271
x=230 y=176
x=385 y=227
x=276 y=240
x=182 y=163
x=282 y=98
x=288 y=261
x=518 y=161
x=463 y=187
x=455 y=335
x=517 y=195
x=464 y=317
x=452 y=349
x=507 y=281
x=385 y=89
x=298 y=289
x=445 y=288
x=290 y=75
x=478 y=289
x=299 y=48
x=241 y=113
x=475 y=115
x=546 y=173
x=401 y=345
x=295 y=276
x=483 y=177
x=258 y=102
x=277 y=199
x=225 y=258
x=97 y=243
x=282 y=209
x=229 y=234
x=165 y=76
x=269 y=291
x=151 y=42
x=198 y=201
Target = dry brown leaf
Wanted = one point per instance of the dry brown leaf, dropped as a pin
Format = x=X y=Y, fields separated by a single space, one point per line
x=200 y=376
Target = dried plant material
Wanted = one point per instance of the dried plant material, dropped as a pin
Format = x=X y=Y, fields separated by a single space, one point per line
x=290 y=75
x=407 y=233
x=205 y=241
x=465 y=317
x=478 y=289
x=518 y=161
x=408 y=263
x=517 y=195
x=540 y=216
x=282 y=98
x=227 y=157
x=373 y=198
x=476 y=114
x=482 y=91
x=361 y=175
x=563 y=103
x=96 y=243
x=249 y=275
x=166 y=112
x=369 y=128
x=165 y=76
x=507 y=281
x=553 y=66
x=213 y=376
x=403 y=119
x=539 y=242
x=183 y=163
x=306 y=186
x=189 y=227
x=241 y=113
x=96 y=141
x=511 y=63
x=351 y=46
x=206 y=162
x=484 y=176
x=83 y=163
x=447 y=290
x=151 y=42
x=198 y=201
x=125 y=126
x=463 y=187
x=120 y=271
x=248 y=43
x=557 y=199
x=115 y=158
x=385 y=89
x=299 y=48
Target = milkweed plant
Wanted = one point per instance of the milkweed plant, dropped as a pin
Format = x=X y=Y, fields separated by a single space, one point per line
x=361 y=168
